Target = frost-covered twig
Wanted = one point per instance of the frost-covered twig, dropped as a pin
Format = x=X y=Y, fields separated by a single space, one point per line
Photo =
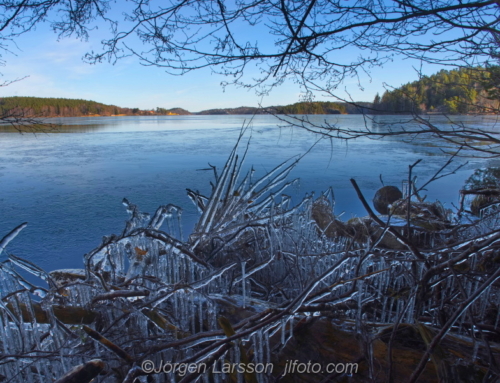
x=10 y=236
x=444 y=330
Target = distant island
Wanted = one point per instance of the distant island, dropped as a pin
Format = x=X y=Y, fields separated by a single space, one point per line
x=66 y=107
x=459 y=91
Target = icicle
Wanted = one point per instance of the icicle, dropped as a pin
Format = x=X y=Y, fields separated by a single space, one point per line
x=255 y=348
x=283 y=331
x=260 y=346
x=267 y=348
x=243 y=282
x=200 y=314
x=476 y=345
x=4 y=335
x=193 y=313
x=237 y=359
x=383 y=313
x=175 y=269
x=410 y=310
x=212 y=315
x=485 y=299
x=360 y=305
x=175 y=305
x=498 y=312
x=217 y=377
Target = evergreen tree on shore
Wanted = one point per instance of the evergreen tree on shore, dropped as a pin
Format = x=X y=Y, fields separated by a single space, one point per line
x=458 y=91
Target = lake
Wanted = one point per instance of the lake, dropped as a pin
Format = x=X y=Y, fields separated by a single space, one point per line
x=69 y=185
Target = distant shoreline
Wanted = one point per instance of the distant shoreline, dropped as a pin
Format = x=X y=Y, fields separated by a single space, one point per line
x=38 y=107
x=279 y=114
x=32 y=107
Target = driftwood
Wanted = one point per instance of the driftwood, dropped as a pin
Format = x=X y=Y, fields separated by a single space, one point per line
x=83 y=373
x=66 y=314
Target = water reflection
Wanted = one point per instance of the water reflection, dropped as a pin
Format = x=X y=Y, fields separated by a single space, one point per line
x=53 y=128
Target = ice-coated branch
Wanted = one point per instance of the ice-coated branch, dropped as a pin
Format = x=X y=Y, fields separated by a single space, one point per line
x=83 y=373
x=10 y=236
x=447 y=326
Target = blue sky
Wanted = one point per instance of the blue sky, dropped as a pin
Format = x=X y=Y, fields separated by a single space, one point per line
x=55 y=69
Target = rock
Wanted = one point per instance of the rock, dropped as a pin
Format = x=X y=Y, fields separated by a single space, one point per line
x=65 y=276
x=430 y=216
x=358 y=229
x=423 y=210
x=384 y=197
x=425 y=217
x=364 y=229
x=481 y=201
x=388 y=241
x=322 y=214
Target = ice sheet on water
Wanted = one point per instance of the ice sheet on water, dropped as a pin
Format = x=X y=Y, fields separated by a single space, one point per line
x=252 y=252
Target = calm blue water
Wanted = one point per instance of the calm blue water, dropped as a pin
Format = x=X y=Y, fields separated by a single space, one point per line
x=69 y=185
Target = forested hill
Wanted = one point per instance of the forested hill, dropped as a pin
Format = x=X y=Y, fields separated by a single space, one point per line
x=459 y=91
x=321 y=107
x=65 y=107
x=314 y=107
